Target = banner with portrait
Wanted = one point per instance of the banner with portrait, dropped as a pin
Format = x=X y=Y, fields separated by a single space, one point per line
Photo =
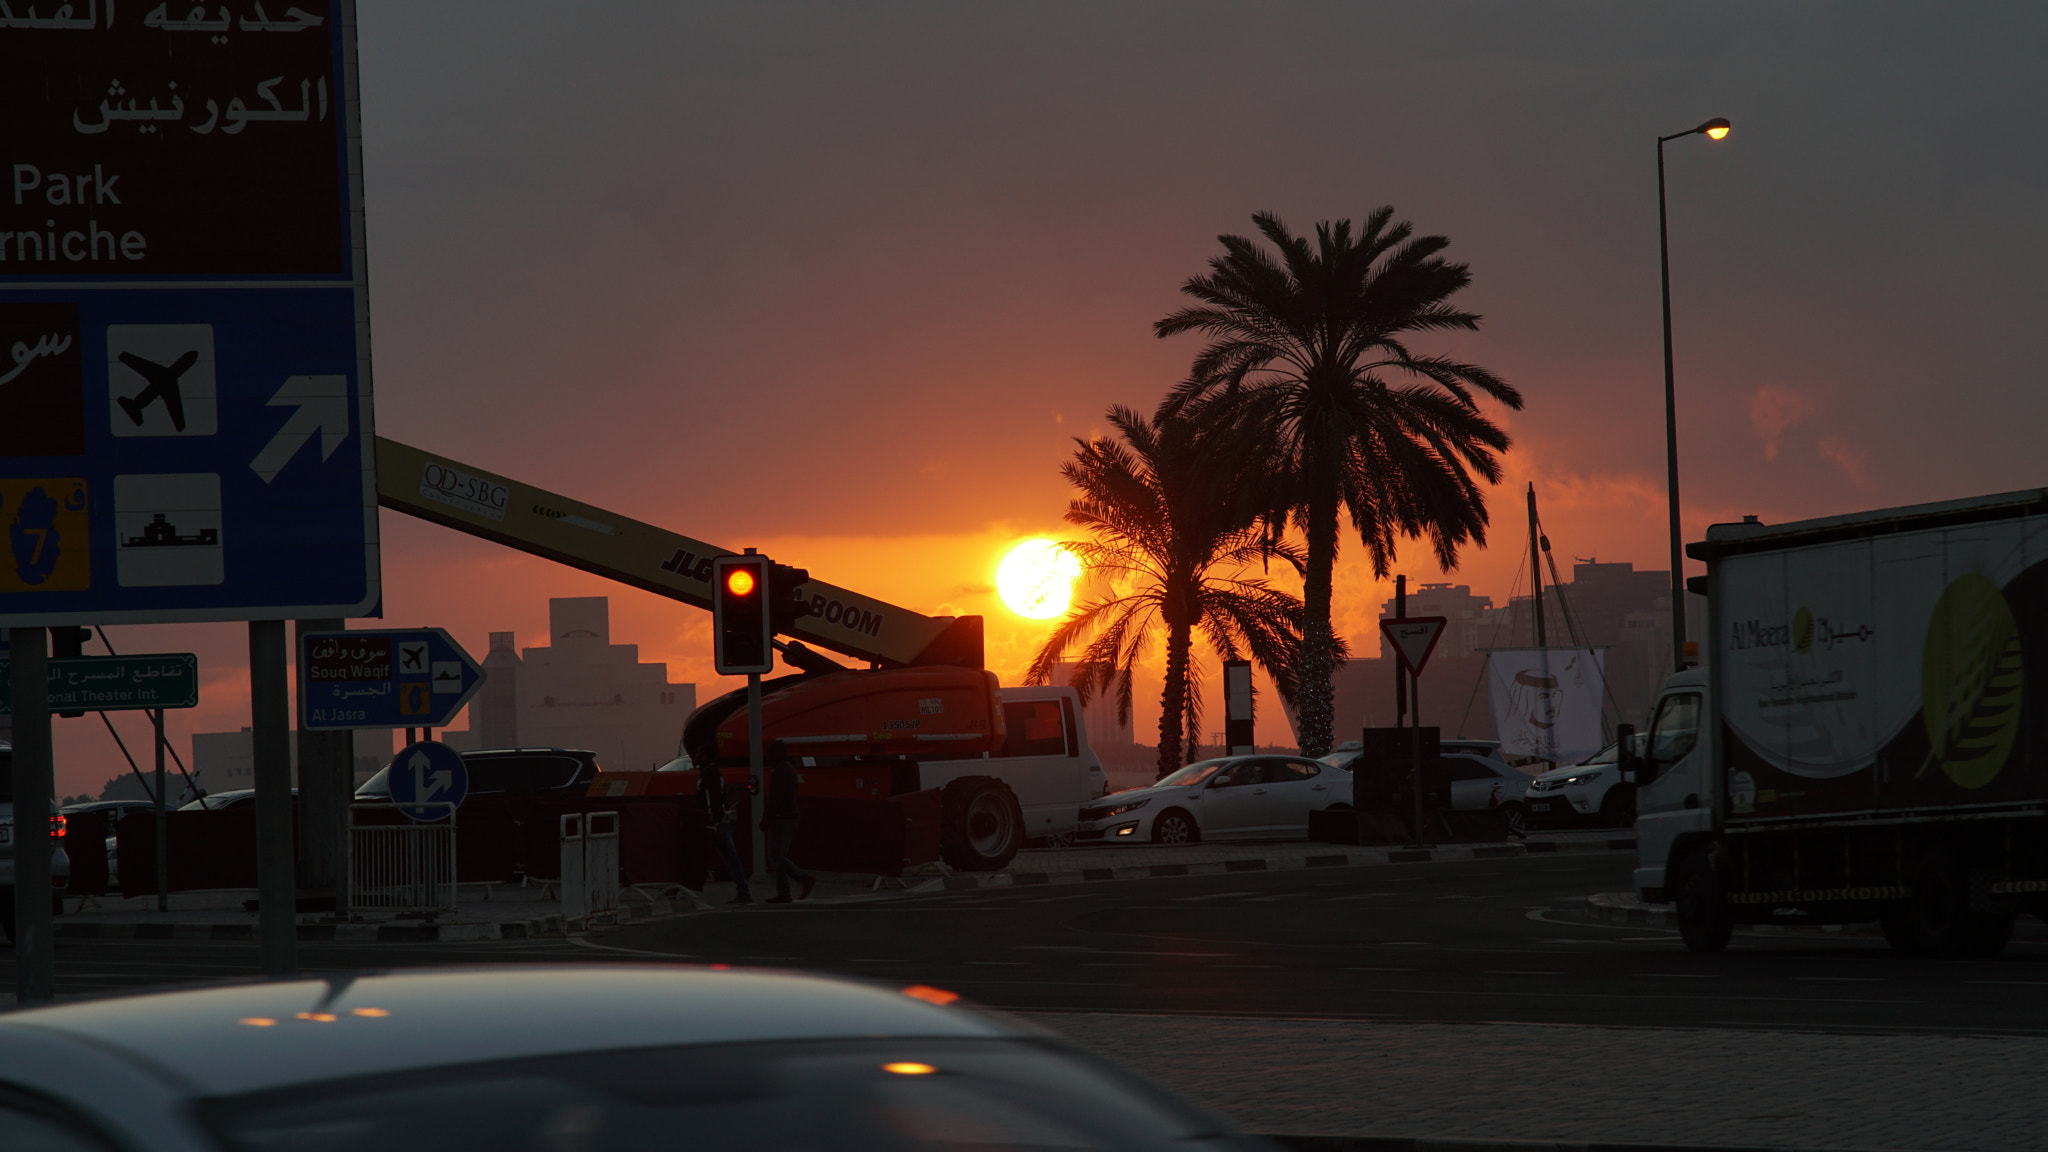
x=1546 y=702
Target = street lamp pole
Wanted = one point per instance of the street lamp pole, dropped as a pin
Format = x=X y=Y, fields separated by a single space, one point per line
x=1713 y=129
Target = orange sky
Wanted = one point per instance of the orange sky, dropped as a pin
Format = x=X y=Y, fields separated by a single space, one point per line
x=843 y=283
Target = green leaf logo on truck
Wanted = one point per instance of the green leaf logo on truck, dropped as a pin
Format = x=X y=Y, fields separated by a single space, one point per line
x=1970 y=680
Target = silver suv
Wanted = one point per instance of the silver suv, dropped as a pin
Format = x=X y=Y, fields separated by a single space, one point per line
x=60 y=864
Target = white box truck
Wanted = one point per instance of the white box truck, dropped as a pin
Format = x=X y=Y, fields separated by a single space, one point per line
x=1867 y=736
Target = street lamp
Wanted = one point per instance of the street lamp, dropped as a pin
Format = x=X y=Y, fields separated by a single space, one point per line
x=1714 y=129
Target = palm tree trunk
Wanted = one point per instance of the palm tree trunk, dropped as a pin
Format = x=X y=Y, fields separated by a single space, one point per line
x=1314 y=695
x=1173 y=699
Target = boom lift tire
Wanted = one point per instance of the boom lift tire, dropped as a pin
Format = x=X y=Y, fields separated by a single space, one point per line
x=981 y=825
x=1942 y=921
x=1703 y=919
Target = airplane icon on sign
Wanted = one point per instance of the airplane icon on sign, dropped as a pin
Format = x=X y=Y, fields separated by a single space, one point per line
x=163 y=385
x=412 y=657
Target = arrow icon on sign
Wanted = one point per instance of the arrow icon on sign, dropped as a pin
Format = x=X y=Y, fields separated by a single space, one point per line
x=427 y=785
x=322 y=407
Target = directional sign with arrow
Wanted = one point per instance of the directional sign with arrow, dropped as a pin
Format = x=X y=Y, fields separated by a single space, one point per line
x=322 y=407
x=428 y=774
x=195 y=315
x=1414 y=638
x=384 y=678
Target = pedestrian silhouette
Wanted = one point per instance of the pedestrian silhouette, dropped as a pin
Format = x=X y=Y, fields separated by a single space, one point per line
x=163 y=385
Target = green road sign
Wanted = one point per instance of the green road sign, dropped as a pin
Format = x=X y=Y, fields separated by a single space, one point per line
x=114 y=683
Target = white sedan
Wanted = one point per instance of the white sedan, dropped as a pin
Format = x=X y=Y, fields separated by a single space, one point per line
x=527 y=1057
x=1227 y=798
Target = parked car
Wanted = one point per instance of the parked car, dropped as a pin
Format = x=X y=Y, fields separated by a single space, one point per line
x=1482 y=782
x=510 y=772
x=224 y=800
x=625 y=1058
x=1351 y=750
x=1479 y=779
x=1225 y=798
x=60 y=861
x=1590 y=793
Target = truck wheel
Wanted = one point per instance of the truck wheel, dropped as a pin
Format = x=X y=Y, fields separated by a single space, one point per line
x=1897 y=925
x=1618 y=807
x=1942 y=921
x=1175 y=827
x=981 y=826
x=1703 y=920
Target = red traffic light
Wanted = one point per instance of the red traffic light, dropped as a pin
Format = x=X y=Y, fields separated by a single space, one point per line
x=740 y=581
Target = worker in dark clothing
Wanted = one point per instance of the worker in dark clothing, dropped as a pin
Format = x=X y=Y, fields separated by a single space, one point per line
x=720 y=818
x=778 y=822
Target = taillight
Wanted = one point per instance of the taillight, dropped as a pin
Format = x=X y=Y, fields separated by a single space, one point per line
x=57 y=824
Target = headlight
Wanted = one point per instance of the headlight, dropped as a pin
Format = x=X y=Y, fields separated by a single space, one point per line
x=1120 y=809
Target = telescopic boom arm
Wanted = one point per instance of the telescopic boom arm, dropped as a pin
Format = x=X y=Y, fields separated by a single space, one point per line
x=499 y=509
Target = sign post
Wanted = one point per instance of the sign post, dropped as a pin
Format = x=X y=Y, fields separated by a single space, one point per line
x=186 y=426
x=430 y=774
x=384 y=678
x=1413 y=639
x=1238 y=717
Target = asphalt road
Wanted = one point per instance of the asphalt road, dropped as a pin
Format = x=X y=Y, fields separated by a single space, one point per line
x=1486 y=940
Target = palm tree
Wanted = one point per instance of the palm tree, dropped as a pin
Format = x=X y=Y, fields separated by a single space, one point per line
x=1310 y=349
x=1167 y=514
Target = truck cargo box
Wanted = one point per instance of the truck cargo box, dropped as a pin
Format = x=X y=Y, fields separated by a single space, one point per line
x=1882 y=663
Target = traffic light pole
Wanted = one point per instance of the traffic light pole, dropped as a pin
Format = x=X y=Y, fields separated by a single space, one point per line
x=755 y=784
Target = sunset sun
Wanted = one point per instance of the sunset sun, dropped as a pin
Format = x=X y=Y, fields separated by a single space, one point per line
x=1037 y=579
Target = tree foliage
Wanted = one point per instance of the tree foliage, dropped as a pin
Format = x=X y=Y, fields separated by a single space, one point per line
x=1172 y=534
x=1310 y=382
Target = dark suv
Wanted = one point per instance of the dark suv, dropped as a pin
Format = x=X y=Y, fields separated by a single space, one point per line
x=511 y=772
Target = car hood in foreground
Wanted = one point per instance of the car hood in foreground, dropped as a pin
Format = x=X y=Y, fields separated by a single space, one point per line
x=248 y=1037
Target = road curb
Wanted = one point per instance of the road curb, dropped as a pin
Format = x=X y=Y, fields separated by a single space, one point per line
x=367 y=933
x=1339 y=857
x=1428 y=1144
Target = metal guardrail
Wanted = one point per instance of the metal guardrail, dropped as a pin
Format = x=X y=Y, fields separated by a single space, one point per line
x=405 y=867
x=590 y=866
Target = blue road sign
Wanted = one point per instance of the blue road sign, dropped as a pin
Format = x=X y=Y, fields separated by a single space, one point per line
x=186 y=426
x=428 y=773
x=384 y=678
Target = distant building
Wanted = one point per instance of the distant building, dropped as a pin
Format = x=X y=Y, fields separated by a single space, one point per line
x=225 y=761
x=1098 y=715
x=578 y=691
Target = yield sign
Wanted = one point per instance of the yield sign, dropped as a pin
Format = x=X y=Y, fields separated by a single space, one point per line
x=1414 y=638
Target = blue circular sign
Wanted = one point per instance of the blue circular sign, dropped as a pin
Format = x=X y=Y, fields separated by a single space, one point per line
x=429 y=774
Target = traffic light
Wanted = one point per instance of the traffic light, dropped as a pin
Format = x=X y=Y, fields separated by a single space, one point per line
x=741 y=627
x=786 y=603
x=68 y=640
